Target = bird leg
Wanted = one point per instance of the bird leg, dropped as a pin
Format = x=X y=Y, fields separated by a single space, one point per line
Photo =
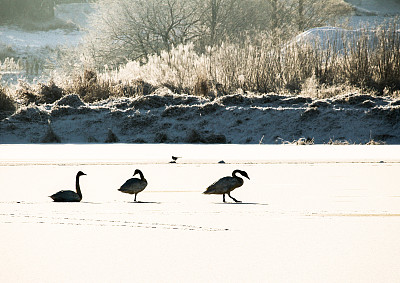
x=233 y=198
x=223 y=197
x=135 y=198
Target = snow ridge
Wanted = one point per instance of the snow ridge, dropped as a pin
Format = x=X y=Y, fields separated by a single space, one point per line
x=238 y=118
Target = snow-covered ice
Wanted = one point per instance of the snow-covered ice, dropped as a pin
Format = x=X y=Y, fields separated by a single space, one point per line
x=308 y=215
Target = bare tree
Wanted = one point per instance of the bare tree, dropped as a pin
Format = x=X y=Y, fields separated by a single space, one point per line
x=132 y=29
x=125 y=30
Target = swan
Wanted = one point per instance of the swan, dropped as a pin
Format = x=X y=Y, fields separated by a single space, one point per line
x=70 y=196
x=134 y=185
x=227 y=184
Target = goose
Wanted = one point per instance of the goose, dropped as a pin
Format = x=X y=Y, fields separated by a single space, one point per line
x=70 y=196
x=134 y=185
x=227 y=184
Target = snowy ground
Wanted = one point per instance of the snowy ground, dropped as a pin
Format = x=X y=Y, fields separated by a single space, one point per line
x=29 y=42
x=42 y=46
x=309 y=214
x=370 y=13
x=164 y=117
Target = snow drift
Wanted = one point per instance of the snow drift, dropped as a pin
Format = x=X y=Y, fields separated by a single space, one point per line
x=165 y=117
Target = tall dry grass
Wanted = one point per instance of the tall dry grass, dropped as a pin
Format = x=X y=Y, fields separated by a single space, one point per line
x=365 y=59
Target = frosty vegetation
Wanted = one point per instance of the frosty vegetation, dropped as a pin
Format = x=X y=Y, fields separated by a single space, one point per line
x=215 y=48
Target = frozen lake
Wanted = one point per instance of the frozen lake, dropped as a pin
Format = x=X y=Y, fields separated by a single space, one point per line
x=309 y=214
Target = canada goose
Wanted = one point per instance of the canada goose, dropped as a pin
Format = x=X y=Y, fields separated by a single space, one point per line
x=227 y=184
x=70 y=196
x=134 y=185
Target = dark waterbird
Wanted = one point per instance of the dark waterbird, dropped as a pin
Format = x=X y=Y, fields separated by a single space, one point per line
x=134 y=185
x=227 y=184
x=70 y=196
x=174 y=159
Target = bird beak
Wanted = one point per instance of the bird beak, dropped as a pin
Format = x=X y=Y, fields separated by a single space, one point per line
x=248 y=177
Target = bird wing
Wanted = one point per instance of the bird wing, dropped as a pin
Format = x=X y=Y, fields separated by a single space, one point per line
x=133 y=185
x=222 y=186
x=65 y=195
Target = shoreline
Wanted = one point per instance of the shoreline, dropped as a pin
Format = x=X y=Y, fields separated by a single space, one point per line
x=165 y=117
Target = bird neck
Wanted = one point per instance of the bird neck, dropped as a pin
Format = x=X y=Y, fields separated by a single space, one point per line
x=234 y=174
x=141 y=176
x=78 y=188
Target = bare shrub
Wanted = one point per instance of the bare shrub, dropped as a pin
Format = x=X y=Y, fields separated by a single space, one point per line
x=202 y=86
x=89 y=87
x=6 y=102
x=41 y=93
x=26 y=93
x=140 y=87
x=50 y=93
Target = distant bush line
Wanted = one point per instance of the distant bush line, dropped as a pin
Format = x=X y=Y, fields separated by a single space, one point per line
x=13 y=11
x=300 y=69
x=297 y=68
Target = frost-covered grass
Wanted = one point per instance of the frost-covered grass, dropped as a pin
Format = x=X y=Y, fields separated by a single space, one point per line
x=363 y=62
x=319 y=63
x=346 y=61
x=366 y=59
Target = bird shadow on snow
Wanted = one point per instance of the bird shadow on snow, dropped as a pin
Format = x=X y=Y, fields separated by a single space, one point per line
x=242 y=203
x=144 y=202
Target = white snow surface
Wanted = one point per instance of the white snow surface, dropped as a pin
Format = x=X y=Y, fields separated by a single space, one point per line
x=333 y=37
x=382 y=7
x=27 y=43
x=164 y=117
x=24 y=42
x=306 y=221
x=370 y=13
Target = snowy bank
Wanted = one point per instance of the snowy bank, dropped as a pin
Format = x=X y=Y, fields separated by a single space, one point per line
x=165 y=117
